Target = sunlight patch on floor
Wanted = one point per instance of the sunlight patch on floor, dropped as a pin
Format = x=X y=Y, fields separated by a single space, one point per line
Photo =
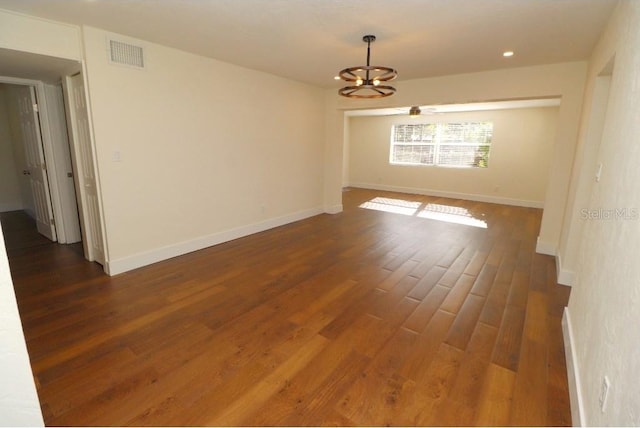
x=446 y=213
x=395 y=206
x=451 y=214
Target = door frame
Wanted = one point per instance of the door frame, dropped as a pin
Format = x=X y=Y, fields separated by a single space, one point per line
x=50 y=159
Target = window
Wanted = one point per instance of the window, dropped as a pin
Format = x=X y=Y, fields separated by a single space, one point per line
x=464 y=144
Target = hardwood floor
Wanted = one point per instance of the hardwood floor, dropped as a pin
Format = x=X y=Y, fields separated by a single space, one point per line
x=361 y=318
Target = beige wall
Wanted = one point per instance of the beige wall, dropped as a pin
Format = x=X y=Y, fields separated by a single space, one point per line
x=36 y=35
x=518 y=171
x=604 y=309
x=191 y=172
x=10 y=196
x=11 y=97
x=565 y=80
x=19 y=405
x=206 y=148
x=346 y=152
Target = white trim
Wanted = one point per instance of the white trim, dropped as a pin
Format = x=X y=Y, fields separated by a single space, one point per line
x=547 y=248
x=335 y=209
x=49 y=158
x=565 y=276
x=453 y=195
x=573 y=374
x=18 y=80
x=114 y=267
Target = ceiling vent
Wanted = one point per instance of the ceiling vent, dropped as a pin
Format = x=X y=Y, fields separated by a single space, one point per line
x=126 y=54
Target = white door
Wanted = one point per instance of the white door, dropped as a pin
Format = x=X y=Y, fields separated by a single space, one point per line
x=34 y=154
x=85 y=167
x=63 y=196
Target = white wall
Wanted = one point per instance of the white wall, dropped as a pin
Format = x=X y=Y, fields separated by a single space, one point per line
x=519 y=160
x=565 y=80
x=582 y=176
x=19 y=405
x=10 y=196
x=206 y=148
x=604 y=307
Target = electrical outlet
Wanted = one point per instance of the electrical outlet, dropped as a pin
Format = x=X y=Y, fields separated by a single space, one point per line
x=604 y=393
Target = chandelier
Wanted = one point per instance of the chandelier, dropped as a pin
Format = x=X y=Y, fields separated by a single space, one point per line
x=368 y=79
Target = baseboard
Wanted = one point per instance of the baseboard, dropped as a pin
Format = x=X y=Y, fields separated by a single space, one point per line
x=547 y=248
x=565 y=276
x=573 y=374
x=117 y=266
x=452 y=195
x=335 y=209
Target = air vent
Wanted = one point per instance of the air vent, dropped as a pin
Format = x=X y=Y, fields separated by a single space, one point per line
x=126 y=54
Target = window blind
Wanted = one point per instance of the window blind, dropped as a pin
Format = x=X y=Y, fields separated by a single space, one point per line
x=456 y=144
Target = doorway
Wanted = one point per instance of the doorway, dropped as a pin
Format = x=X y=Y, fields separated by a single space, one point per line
x=45 y=159
x=38 y=177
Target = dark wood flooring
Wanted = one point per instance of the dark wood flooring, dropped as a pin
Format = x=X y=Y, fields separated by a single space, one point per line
x=361 y=318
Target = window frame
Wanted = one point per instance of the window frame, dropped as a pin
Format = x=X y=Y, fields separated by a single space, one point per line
x=437 y=143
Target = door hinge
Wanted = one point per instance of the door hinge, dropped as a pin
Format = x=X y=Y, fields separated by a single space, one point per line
x=35 y=108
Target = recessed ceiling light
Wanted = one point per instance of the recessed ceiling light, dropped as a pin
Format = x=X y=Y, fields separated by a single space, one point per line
x=507 y=53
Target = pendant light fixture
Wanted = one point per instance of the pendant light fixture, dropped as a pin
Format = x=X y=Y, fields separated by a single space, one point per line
x=368 y=79
x=414 y=111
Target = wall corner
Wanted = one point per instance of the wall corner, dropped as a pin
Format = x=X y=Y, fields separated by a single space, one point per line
x=545 y=247
x=333 y=209
x=573 y=374
x=565 y=276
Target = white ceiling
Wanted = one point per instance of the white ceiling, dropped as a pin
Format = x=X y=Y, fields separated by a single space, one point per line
x=310 y=41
